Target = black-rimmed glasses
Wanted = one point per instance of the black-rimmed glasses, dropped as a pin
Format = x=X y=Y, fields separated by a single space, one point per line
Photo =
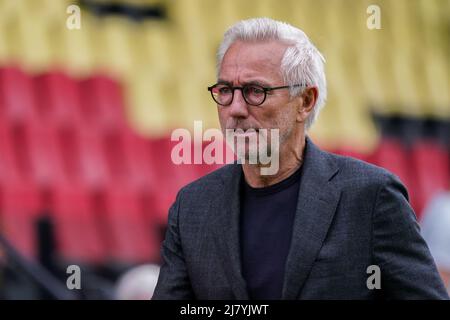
x=253 y=94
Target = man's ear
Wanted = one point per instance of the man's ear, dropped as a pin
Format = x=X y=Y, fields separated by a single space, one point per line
x=307 y=101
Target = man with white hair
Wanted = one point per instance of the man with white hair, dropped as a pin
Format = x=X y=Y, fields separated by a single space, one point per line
x=321 y=227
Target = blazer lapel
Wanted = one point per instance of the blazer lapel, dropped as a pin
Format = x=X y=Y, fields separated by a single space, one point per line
x=317 y=203
x=316 y=206
x=226 y=230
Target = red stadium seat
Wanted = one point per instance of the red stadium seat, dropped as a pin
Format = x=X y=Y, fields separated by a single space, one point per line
x=170 y=177
x=128 y=159
x=349 y=152
x=58 y=100
x=8 y=167
x=103 y=106
x=431 y=163
x=20 y=207
x=17 y=101
x=37 y=154
x=83 y=157
x=109 y=188
x=77 y=228
x=130 y=235
x=392 y=155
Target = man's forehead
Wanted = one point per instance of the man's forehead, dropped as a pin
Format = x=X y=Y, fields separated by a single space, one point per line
x=271 y=51
x=258 y=56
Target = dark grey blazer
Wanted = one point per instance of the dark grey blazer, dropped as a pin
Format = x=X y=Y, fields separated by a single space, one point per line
x=350 y=215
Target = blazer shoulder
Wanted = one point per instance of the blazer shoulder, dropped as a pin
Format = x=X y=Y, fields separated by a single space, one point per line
x=356 y=169
x=213 y=179
x=365 y=180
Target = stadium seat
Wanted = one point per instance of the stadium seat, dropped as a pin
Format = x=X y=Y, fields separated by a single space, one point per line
x=133 y=167
x=113 y=43
x=430 y=161
x=37 y=154
x=21 y=205
x=392 y=155
x=130 y=236
x=351 y=152
x=30 y=39
x=8 y=167
x=17 y=101
x=73 y=49
x=155 y=49
x=103 y=104
x=78 y=230
x=90 y=162
x=81 y=157
x=58 y=100
x=170 y=177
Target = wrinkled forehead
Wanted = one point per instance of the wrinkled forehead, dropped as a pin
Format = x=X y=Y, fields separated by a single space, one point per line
x=259 y=57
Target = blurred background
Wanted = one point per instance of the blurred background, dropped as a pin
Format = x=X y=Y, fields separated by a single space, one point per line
x=86 y=117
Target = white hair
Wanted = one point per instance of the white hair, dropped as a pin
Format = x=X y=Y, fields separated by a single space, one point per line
x=302 y=62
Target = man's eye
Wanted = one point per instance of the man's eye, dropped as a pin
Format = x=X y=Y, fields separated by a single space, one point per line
x=255 y=90
x=224 y=90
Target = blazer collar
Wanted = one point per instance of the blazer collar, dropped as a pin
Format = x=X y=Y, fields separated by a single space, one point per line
x=317 y=202
x=316 y=206
x=226 y=229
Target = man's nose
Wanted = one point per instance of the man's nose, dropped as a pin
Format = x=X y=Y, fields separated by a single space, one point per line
x=238 y=107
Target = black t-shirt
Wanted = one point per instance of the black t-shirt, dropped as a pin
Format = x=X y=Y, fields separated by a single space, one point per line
x=266 y=221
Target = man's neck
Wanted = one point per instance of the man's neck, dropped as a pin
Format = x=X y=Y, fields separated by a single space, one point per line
x=290 y=161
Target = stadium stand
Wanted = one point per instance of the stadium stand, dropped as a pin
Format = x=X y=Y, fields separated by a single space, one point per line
x=86 y=114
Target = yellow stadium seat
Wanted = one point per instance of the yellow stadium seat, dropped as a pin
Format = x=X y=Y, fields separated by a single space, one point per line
x=74 y=51
x=112 y=45
x=155 y=48
x=150 y=99
x=29 y=40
